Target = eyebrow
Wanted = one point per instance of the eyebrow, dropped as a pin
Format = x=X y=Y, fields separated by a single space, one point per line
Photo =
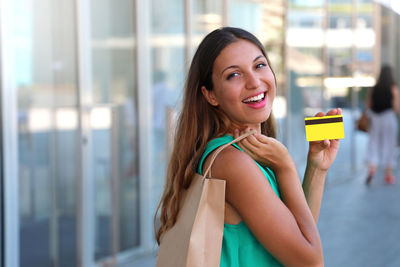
x=236 y=66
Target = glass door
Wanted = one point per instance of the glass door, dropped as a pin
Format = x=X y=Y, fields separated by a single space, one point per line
x=305 y=71
x=167 y=68
x=45 y=83
x=45 y=62
x=114 y=128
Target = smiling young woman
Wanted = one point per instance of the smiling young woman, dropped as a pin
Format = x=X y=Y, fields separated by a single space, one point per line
x=244 y=84
x=270 y=218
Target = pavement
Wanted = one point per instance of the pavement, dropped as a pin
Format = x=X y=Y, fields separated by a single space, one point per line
x=359 y=225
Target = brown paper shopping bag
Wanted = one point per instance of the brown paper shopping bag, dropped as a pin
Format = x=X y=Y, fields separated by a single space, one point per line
x=363 y=123
x=196 y=238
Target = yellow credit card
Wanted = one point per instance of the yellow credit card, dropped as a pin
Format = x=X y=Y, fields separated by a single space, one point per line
x=327 y=127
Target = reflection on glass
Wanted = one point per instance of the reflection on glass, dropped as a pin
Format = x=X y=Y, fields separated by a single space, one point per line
x=350 y=42
x=365 y=39
x=335 y=58
x=340 y=62
x=206 y=16
x=266 y=20
x=45 y=67
x=306 y=68
x=114 y=126
x=247 y=15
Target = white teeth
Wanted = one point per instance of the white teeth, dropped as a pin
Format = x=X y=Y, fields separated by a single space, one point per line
x=254 y=98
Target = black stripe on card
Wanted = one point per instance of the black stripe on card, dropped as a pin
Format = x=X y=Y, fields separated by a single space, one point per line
x=320 y=121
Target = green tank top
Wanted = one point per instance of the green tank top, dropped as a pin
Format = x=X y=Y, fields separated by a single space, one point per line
x=240 y=248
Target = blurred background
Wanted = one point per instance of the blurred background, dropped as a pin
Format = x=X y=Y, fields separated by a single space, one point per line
x=90 y=91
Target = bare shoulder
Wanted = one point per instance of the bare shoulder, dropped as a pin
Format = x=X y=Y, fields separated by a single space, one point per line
x=232 y=162
x=244 y=179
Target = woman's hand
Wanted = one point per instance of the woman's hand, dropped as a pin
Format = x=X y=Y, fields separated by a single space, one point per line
x=321 y=154
x=266 y=151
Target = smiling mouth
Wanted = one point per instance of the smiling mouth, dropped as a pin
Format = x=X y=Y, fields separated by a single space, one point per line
x=255 y=99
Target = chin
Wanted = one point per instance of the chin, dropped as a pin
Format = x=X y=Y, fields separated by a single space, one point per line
x=265 y=117
x=257 y=121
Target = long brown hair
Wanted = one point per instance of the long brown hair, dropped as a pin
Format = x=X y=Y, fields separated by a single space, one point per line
x=199 y=122
x=381 y=96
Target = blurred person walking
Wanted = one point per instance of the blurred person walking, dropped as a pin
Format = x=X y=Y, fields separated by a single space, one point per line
x=382 y=104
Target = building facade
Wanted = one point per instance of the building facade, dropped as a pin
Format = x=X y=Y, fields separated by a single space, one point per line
x=90 y=91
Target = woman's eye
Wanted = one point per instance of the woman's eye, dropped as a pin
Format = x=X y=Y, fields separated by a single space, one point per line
x=260 y=65
x=233 y=74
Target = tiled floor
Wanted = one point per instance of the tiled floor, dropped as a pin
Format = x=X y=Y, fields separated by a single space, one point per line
x=360 y=225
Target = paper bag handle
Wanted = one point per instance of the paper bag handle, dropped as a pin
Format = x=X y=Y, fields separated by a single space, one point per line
x=214 y=156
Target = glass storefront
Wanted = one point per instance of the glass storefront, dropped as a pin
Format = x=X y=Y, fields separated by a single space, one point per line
x=350 y=71
x=267 y=22
x=206 y=16
x=49 y=161
x=114 y=127
x=247 y=15
x=83 y=176
x=329 y=62
x=305 y=70
x=46 y=87
x=168 y=74
x=340 y=51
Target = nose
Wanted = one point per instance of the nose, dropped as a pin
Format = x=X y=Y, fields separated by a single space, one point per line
x=252 y=81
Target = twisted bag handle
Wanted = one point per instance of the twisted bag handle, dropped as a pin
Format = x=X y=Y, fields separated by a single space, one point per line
x=214 y=156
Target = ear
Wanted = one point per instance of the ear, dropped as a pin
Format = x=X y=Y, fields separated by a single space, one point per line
x=209 y=95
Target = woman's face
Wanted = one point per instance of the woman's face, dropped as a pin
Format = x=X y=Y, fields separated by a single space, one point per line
x=244 y=85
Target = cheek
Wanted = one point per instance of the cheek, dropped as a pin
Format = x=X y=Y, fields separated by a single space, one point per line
x=227 y=94
x=272 y=99
x=227 y=102
x=272 y=91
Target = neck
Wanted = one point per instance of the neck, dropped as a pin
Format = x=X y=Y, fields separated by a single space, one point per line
x=244 y=127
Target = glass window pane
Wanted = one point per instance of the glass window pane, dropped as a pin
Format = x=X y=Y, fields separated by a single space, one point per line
x=168 y=69
x=350 y=44
x=266 y=20
x=247 y=15
x=306 y=70
x=45 y=68
x=206 y=16
x=114 y=125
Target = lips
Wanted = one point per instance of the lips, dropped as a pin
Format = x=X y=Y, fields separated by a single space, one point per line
x=255 y=98
x=257 y=101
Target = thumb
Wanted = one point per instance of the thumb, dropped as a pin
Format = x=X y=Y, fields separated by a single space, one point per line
x=325 y=144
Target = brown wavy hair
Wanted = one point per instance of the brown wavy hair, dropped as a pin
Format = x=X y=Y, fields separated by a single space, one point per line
x=199 y=122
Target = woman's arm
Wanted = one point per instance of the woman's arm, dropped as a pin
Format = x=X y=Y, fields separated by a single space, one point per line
x=313 y=187
x=395 y=103
x=285 y=228
x=321 y=155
